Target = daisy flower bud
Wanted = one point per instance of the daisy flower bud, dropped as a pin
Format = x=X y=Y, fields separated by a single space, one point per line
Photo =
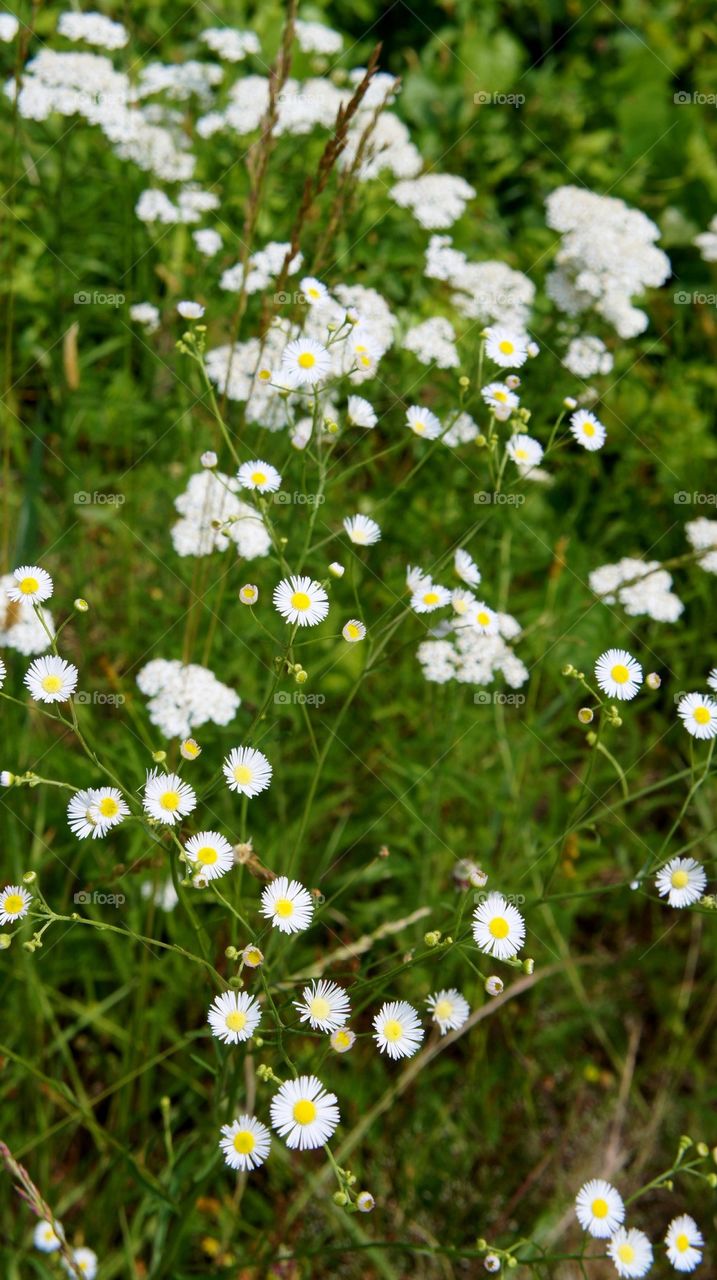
x=528 y=965
x=209 y=459
x=464 y=382
x=493 y=985
x=252 y=956
x=512 y=381
x=80 y=605
x=569 y=403
x=353 y=631
x=336 y=570
x=159 y=756
x=249 y=594
x=652 y=680
x=365 y=1202
x=432 y=939
x=29 y=877
x=190 y=310
x=6 y=778
x=342 y=1039
x=231 y=953
x=702 y=1149
x=190 y=749
x=5 y=942
x=585 y=715
x=491 y=1262
x=340 y=1198
x=301 y=676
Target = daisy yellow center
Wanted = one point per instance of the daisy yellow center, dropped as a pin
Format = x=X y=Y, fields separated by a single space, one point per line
x=521 y=453
x=620 y=673
x=190 y=748
x=506 y=347
x=419 y=427
x=682 y=1243
x=253 y=957
x=500 y=395
x=392 y=1030
x=244 y=1142
x=702 y=715
x=300 y=600
x=108 y=807
x=343 y=1038
x=206 y=855
x=353 y=630
x=258 y=477
x=265 y=374
x=499 y=927
x=242 y=773
x=588 y=429
x=52 y=684
x=13 y=902
x=444 y=1009
x=307 y=360
x=304 y=1111
x=284 y=908
x=29 y=586
x=169 y=800
x=679 y=879
x=365 y=361
x=430 y=597
x=483 y=619
x=626 y=1253
x=600 y=1209
x=314 y=293
x=236 y=1021
x=320 y=1007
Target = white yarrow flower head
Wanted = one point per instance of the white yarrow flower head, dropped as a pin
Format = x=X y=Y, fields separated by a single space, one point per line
x=588 y=430
x=85 y=1261
x=313 y=290
x=46 y=1236
x=247 y=770
x=429 y=596
x=631 y=1253
x=398 y=1030
x=599 y=1209
x=682 y=881
x=362 y=530
x=360 y=413
x=259 y=475
x=190 y=310
x=354 y=631
x=304 y=1114
x=210 y=854
x=466 y=568
x=324 y=1005
x=51 y=679
x=423 y=423
x=698 y=713
x=506 y=347
x=287 y=904
x=449 y=1009
x=301 y=600
x=524 y=450
x=498 y=927
x=14 y=903
x=500 y=399
x=305 y=362
x=684 y=1243
x=31 y=583
x=245 y=1143
x=618 y=674
x=342 y=1040
x=234 y=1016
x=167 y=798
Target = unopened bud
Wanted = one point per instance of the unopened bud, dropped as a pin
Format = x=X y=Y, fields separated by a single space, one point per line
x=433 y=938
x=652 y=680
x=81 y=605
x=585 y=715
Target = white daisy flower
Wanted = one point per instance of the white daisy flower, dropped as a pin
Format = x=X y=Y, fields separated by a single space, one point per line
x=46 y=1236
x=249 y=594
x=287 y=904
x=398 y=1030
x=85 y=1261
x=353 y=631
x=449 y=1009
x=342 y=1039
x=305 y=362
x=483 y=619
x=313 y=290
x=360 y=413
x=14 y=903
x=31 y=583
x=429 y=596
x=190 y=310
x=247 y=771
x=684 y=1243
x=167 y=798
x=245 y=1143
x=365 y=350
x=618 y=674
x=416 y=578
x=252 y=956
x=462 y=601
x=234 y=1016
x=712 y=679
x=682 y=881
x=301 y=600
x=324 y=1005
x=498 y=927
x=698 y=714
x=631 y=1252
x=500 y=399
x=362 y=530
x=51 y=679
x=588 y=430
x=524 y=450
x=211 y=854
x=190 y=749
x=303 y=1113
x=3 y=673
x=506 y=347
x=259 y=475
x=95 y=811
x=599 y=1209
x=423 y=423
x=466 y=568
